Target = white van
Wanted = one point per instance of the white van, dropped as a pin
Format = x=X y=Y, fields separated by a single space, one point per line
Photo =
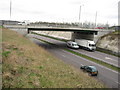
x=88 y=44
x=72 y=44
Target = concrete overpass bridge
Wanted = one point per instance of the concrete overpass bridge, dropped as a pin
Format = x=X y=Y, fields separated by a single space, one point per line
x=77 y=33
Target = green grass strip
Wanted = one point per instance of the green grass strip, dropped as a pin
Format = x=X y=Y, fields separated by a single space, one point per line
x=1 y=26
x=87 y=57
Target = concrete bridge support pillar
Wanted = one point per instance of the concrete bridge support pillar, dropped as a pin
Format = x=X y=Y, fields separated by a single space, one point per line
x=82 y=35
x=28 y=31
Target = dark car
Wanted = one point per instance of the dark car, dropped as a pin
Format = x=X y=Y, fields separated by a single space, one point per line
x=90 y=69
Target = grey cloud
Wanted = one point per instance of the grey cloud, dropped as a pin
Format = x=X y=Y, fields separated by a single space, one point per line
x=112 y=17
x=77 y=2
x=18 y=10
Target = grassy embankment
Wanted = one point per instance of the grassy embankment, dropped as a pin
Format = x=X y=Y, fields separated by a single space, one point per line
x=26 y=65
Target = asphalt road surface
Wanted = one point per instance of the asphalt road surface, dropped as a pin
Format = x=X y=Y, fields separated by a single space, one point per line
x=106 y=75
x=97 y=55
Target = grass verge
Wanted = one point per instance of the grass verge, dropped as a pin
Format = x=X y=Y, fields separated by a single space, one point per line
x=88 y=58
x=26 y=65
x=1 y=26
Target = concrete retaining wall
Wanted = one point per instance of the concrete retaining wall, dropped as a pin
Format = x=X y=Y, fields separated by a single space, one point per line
x=59 y=34
x=109 y=42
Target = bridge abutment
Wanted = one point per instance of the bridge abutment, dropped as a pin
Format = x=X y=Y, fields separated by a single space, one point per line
x=89 y=35
x=82 y=35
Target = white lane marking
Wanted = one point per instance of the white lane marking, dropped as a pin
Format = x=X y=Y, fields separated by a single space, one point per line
x=63 y=55
x=110 y=59
x=117 y=82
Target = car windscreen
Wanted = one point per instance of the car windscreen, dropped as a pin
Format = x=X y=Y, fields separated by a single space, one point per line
x=93 y=68
x=92 y=45
x=74 y=44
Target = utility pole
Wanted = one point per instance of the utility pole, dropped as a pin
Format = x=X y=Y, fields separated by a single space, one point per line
x=80 y=13
x=95 y=18
x=10 y=8
x=119 y=13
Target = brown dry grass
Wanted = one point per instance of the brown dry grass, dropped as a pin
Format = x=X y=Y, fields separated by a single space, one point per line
x=30 y=66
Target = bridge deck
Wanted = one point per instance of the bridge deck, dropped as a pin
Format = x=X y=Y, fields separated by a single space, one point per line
x=62 y=29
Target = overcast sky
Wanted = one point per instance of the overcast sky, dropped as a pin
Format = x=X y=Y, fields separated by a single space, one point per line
x=61 y=10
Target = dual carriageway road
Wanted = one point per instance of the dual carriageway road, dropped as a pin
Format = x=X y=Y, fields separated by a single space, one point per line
x=107 y=76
